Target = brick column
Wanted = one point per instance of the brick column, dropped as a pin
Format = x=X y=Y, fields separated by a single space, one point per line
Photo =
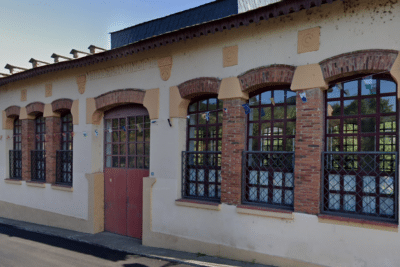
x=28 y=144
x=53 y=126
x=233 y=143
x=308 y=147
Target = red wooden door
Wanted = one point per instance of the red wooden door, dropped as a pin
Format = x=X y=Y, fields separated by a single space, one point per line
x=127 y=149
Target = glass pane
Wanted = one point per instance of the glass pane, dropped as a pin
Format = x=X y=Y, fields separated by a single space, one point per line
x=123 y=136
x=132 y=162
x=115 y=124
x=146 y=162
x=387 y=124
x=108 y=149
x=334 y=182
x=350 y=126
x=192 y=132
x=333 y=108
x=387 y=87
x=193 y=107
x=369 y=185
x=253 y=129
x=132 y=123
x=388 y=104
x=291 y=112
x=254 y=144
x=350 y=144
x=140 y=163
x=387 y=143
x=334 y=201
x=220 y=116
x=115 y=162
x=368 y=125
x=350 y=107
x=122 y=162
x=139 y=136
x=279 y=96
x=368 y=106
x=277 y=196
x=115 y=136
x=263 y=178
x=368 y=205
x=212 y=117
x=368 y=143
x=333 y=92
x=349 y=203
x=386 y=185
x=132 y=149
x=115 y=149
x=212 y=132
x=140 y=149
x=386 y=206
x=368 y=86
x=193 y=119
x=139 y=120
x=267 y=113
x=203 y=105
x=279 y=112
x=202 y=118
x=108 y=162
x=147 y=135
x=122 y=150
x=289 y=180
x=266 y=144
x=263 y=195
x=277 y=179
x=350 y=89
x=278 y=128
x=212 y=104
x=290 y=128
x=254 y=100
x=290 y=144
x=266 y=98
x=291 y=97
x=132 y=136
x=333 y=126
x=220 y=104
x=350 y=183
x=254 y=114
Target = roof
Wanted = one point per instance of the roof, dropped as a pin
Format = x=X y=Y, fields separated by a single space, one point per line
x=211 y=27
x=208 y=12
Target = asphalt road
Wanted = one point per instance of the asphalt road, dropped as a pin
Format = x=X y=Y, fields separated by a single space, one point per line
x=20 y=248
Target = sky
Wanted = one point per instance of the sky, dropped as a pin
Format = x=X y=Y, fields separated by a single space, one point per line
x=37 y=29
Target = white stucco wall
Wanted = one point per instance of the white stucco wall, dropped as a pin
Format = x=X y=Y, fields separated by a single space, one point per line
x=268 y=42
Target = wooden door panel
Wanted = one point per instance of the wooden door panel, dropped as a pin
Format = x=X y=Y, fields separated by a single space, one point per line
x=135 y=201
x=115 y=200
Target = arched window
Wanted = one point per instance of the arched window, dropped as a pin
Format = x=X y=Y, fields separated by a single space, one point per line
x=64 y=155
x=16 y=153
x=361 y=139
x=202 y=160
x=38 y=158
x=269 y=161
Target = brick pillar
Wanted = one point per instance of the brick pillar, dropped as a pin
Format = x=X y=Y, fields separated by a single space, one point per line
x=53 y=126
x=233 y=143
x=308 y=147
x=28 y=144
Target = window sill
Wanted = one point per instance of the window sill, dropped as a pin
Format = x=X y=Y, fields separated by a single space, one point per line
x=62 y=187
x=198 y=204
x=338 y=220
x=13 y=181
x=265 y=212
x=36 y=184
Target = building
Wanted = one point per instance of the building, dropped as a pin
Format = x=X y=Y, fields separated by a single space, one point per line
x=268 y=134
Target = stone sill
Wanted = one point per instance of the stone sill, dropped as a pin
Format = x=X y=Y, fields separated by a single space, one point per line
x=338 y=220
x=36 y=184
x=265 y=212
x=13 y=181
x=191 y=203
x=65 y=188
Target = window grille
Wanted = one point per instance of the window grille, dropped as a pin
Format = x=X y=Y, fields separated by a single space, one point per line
x=15 y=155
x=360 y=162
x=268 y=165
x=64 y=157
x=201 y=163
x=38 y=156
x=127 y=141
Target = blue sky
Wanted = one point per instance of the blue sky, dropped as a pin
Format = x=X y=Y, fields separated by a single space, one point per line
x=37 y=29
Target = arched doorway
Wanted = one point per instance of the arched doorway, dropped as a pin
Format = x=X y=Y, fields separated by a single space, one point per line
x=126 y=162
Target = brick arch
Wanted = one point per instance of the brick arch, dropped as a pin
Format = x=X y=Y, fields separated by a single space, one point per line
x=12 y=111
x=357 y=62
x=199 y=86
x=61 y=104
x=119 y=97
x=266 y=75
x=35 y=108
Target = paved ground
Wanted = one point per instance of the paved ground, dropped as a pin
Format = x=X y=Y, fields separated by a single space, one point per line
x=21 y=248
x=27 y=244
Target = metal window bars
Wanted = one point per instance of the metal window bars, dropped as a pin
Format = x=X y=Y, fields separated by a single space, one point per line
x=64 y=167
x=361 y=184
x=38 y=165
x=268 y=178
x=201 y=175
x=15 y=160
